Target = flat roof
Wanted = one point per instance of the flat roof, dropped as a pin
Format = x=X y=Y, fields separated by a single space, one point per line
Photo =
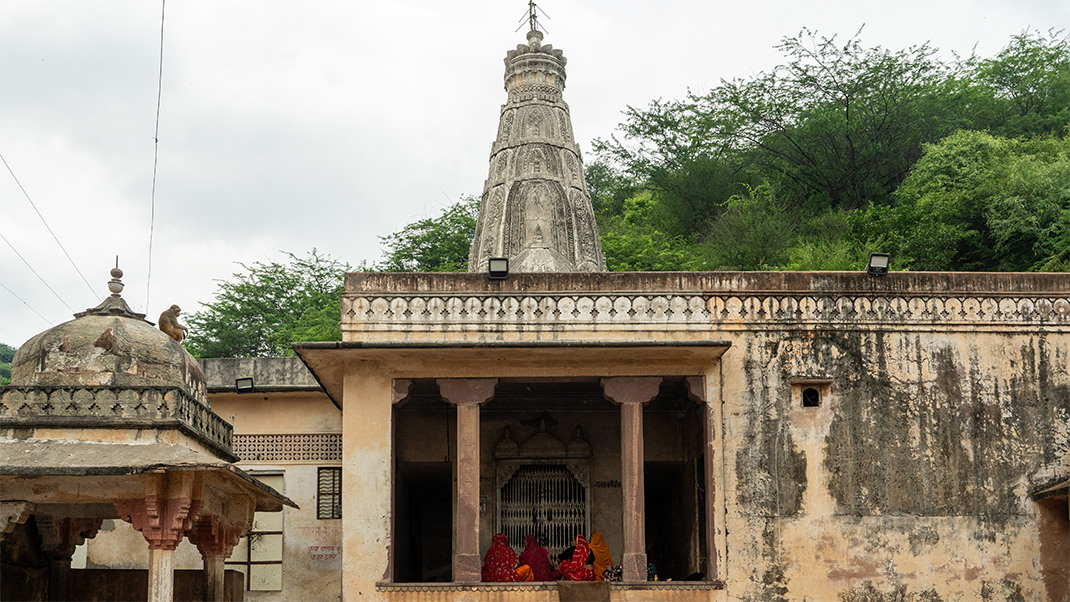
x=499 y=359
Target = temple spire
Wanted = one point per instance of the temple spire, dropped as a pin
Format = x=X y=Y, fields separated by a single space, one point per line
x=536 y=209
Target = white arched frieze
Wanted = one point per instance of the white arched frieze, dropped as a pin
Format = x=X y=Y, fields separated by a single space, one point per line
x=702 y=309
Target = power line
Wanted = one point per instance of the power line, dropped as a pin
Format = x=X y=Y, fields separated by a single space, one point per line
x=34 y=310
x=35 y=273
x=47 y=227
x=155 y=156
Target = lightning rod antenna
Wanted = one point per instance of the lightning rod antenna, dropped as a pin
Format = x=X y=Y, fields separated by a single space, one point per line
x=532 y=17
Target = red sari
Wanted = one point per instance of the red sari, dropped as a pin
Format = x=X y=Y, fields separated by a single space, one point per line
x=577 y=568
x=536 y=557
x=499 y=563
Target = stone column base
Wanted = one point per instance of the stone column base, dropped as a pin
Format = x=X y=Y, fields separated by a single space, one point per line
x=467 y=568
x=634 y=567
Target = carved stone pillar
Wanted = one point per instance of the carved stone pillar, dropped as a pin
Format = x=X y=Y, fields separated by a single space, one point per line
x=631 y=393
x=215 y=539
x=162 y=523
x=468 y=394
x=161 y=574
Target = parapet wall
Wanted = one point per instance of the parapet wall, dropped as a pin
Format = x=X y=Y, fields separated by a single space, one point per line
x=687 y=305
x=268 y=373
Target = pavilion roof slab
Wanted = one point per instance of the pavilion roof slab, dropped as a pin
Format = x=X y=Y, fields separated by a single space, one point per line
x=32 y=460
x=328 y=361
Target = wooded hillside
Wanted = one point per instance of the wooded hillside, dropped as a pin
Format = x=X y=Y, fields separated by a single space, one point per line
x=844 y=149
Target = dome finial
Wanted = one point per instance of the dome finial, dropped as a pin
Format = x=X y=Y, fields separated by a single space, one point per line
x=115 y=285
x=113 y=305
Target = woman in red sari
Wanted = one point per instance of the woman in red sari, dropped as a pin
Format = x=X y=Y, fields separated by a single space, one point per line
x=577 y=569
x=499 y=563
x=536 y=557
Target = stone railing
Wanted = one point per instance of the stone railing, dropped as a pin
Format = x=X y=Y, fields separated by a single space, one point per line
x=620 y=306
x=549 y=310
x=653 y=591
x=107 y=407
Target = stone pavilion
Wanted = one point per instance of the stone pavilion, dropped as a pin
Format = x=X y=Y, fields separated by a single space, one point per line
x=107 y=418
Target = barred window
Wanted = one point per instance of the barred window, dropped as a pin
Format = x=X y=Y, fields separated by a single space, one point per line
x=546 y=501
x=329 y=493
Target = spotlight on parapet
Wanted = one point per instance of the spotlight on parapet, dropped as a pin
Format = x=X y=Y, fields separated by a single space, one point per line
x=243 y=385
x=878 y=264
x=498 y=268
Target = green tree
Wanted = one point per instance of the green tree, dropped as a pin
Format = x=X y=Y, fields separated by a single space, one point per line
x=609 y=189
x=632 y=242
x=667 y=149
x=979 y=202
x=7 y=355
x=267 y=306
x=754 y=232
x=438 y=244
x=824 y=242
x=1029 y=84
x=839 y=123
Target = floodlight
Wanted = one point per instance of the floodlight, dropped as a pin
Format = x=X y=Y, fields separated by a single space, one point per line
x=878 y=264
x=498 y=268
x=243 y=385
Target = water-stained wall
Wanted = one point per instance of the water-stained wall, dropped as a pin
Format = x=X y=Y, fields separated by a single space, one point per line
x=910 y=481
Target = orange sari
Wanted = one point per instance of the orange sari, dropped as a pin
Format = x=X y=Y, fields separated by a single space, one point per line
x=602 y=558
x=523 y=573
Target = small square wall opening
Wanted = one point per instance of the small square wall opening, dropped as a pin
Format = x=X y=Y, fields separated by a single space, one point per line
x=811 y=392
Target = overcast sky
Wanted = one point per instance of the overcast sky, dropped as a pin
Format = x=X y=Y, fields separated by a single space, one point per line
x=291 y=125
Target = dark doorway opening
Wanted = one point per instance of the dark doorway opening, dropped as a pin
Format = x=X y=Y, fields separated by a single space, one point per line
x=423 y=522
x=671 y=519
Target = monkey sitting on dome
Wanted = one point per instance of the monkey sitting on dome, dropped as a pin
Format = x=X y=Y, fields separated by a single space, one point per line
x=169 y=324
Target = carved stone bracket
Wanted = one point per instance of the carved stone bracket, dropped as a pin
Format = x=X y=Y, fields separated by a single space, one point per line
x=161 y=521
x=621 y=390
x=61 y=535
x=215 y=537
x=13 y=513
x=399 y=391
x=459 y=391
x=696 y=388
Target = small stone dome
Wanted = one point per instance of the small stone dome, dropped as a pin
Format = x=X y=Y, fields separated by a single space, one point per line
x=108 y=345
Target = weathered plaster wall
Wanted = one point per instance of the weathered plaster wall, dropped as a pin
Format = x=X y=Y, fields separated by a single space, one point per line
x=278 y=413
x=282 y=411
x=910 y=482
x=946 y=407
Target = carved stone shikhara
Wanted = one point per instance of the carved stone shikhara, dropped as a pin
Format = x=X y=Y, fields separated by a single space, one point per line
x=536 y=209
